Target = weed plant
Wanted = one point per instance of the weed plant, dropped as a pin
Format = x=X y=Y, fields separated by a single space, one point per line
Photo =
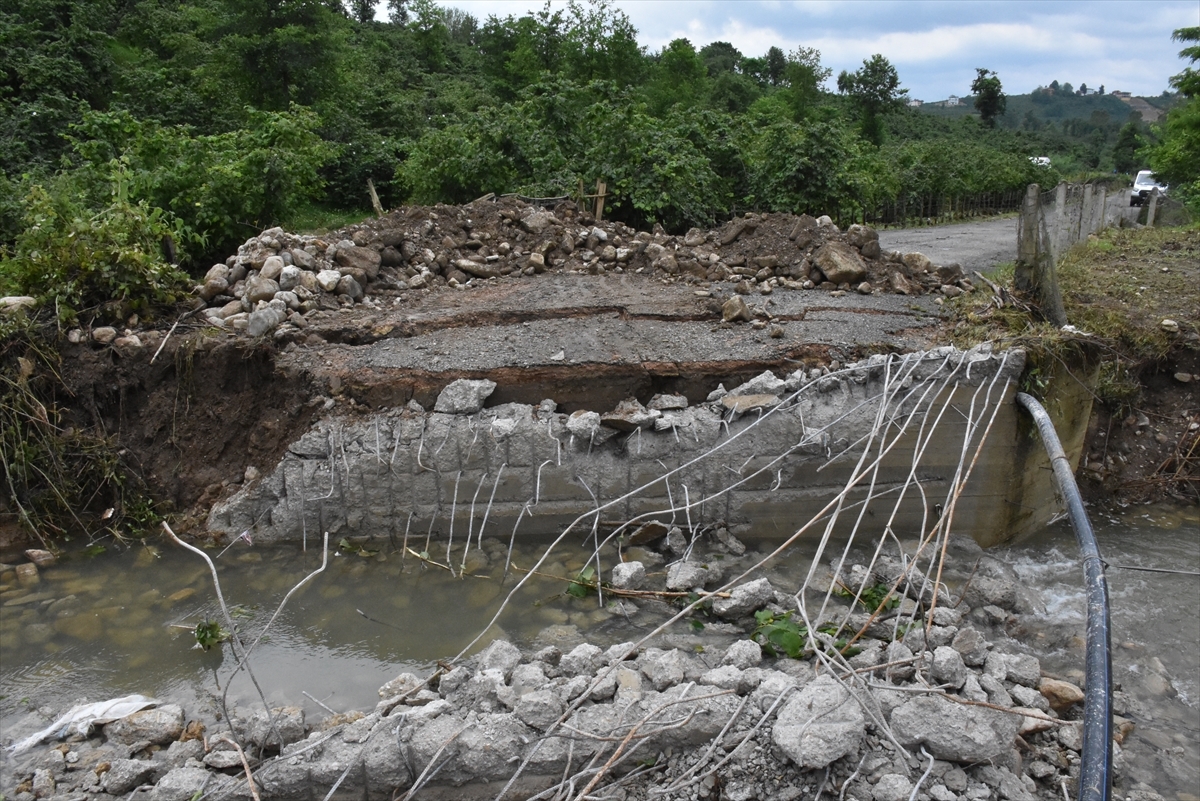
x=59 y=481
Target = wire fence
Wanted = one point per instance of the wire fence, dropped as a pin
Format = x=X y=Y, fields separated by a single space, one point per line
x=909 y=210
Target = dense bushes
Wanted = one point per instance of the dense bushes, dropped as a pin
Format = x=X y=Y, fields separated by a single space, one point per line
x=223 y=117
x=109 y=260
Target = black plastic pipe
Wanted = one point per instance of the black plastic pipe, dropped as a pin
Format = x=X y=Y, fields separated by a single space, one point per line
x=1095 y=776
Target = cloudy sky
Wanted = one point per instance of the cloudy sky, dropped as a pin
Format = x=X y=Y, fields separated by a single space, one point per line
x=935 y=46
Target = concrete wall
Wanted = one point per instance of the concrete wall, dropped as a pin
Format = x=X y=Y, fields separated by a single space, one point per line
x=761 y=474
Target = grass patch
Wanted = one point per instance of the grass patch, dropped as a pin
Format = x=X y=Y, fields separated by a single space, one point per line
x=318 y=220
x=1117 y=289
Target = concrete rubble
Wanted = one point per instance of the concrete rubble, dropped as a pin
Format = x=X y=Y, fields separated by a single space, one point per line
x=277 y=279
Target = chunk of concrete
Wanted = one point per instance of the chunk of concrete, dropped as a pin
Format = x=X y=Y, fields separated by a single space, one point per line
x=954 y=732
x=819 y=725
x=464 y=396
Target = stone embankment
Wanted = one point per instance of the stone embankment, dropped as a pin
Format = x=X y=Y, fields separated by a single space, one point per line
x=933 y=704
x=761 y=451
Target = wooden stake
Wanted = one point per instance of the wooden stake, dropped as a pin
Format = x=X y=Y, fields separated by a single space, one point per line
x=375 y=198
x=601 y=189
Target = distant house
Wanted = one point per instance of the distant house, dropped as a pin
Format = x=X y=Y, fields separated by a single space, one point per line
x=953 y=101
x=914 y=103
x=1119 y=94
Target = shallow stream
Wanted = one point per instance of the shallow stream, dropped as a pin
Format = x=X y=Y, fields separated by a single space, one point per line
x=122 y=622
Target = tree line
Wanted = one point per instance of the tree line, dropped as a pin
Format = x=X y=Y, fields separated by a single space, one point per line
x=211 y=119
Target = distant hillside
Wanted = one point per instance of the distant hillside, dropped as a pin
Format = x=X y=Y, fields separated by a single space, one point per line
x=1056 y=108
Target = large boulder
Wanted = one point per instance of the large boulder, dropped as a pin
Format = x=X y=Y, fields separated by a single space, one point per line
x=954 y=732
x=819 y=725
x=365 y=259
x=840 y=263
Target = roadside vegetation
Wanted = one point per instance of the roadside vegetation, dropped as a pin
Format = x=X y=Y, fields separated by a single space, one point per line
x=214 y=119
x=1118 y=288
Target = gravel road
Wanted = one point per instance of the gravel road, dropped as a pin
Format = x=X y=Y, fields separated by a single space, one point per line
x=975 y=245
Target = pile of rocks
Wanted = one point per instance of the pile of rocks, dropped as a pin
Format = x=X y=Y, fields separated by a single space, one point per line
x=277 y=277
x=941 y=714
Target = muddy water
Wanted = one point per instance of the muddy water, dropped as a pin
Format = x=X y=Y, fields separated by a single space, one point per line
x=121 y=622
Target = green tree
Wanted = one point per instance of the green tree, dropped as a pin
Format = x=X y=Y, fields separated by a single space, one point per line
x=601 y=44
x=990 y=100
x=720 y=57
x=679 y=77
x=1176 y=157
x=733 y=93
x=875 y=88
x=56 y=59
x=775 y=67
x=803 y=76
x=397 y=12
x=361 y=11
x=1129 y=141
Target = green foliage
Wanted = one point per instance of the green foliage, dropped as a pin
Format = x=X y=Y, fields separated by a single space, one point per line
x=55 y=59
x=800 y=167
x=680 y=77
x=584 y=583
x=990 y=100
x=209 y=633
x=233 y=115
x=1129 y=141
x=73 y=259
x=779 y=634
x=556 y=134
x=876 y=598
x=875 y=88
x=803 y=76
x=219 y=187
x=1176 y=157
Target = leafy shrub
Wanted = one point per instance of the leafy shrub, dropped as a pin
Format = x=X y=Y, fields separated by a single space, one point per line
x=73 y=259
x=221 y=187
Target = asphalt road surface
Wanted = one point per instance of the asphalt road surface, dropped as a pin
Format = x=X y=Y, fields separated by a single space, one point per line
x=975 y=245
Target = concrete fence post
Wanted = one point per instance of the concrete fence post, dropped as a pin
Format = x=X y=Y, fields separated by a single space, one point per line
x=1153 y=208
x=1060 y=210
x=1035 y=272
x=1023 y=277
x=1101 y=211
x=1085 y=215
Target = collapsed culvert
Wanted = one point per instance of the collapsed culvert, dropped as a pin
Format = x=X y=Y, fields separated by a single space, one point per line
x=688 y=665
x=853 y=668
